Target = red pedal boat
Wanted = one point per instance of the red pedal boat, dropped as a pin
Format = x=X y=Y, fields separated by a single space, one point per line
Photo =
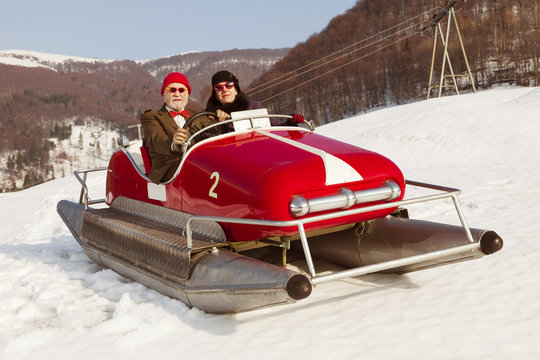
x=202 y=237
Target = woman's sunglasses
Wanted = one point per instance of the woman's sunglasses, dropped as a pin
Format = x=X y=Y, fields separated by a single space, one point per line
x=220 y=87
x=173 y=90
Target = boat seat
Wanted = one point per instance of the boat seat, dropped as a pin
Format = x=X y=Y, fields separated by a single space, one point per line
x=146 y=159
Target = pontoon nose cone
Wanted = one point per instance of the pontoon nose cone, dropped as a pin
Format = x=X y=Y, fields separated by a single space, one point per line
x=298 y=287
x=299 y=206
x=490 y=242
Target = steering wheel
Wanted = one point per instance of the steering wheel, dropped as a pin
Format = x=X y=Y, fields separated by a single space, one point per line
x=192 y=128
x=189 y=123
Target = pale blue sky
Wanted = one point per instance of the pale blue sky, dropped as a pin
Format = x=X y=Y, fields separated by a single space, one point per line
x=139 y=29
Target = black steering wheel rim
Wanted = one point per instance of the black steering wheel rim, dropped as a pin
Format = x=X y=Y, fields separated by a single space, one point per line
x=192 y=118
x=194 y=129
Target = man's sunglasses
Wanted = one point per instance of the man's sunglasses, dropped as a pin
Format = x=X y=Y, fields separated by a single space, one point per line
x=228 y=85
x=173 y=90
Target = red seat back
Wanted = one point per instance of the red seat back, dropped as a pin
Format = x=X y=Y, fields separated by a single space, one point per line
x=146 y=159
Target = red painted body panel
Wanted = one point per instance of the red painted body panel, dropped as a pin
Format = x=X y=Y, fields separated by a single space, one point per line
x=251 y=175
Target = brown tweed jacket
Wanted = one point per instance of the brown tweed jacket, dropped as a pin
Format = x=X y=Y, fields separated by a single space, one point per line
x=159 y=128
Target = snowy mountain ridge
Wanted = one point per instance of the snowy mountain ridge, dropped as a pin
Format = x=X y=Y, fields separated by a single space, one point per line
x=30 y=58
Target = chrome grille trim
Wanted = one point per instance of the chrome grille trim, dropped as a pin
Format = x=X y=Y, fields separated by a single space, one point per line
x=300 y=206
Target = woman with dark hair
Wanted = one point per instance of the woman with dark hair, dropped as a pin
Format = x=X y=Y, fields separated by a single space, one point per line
x=228 y=97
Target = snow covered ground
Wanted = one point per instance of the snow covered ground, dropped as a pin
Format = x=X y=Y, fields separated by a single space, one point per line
x=56 y=304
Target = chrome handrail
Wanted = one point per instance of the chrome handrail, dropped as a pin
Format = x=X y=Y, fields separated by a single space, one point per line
x=309 y=124
x=447 y=192
x=83 y=198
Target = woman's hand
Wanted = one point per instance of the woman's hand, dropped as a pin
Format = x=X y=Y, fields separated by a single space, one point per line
x=222 y=115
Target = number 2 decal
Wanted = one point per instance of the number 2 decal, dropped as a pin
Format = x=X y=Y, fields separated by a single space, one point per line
x=211 y=193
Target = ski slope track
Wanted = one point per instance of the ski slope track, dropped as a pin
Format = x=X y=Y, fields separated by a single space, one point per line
x=56 y=303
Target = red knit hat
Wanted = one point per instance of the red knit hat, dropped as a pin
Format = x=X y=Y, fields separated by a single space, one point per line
x=175 y=77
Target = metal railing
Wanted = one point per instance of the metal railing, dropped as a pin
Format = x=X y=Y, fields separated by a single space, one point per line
x=84 y=198
x=444 y=192
x=308 y=123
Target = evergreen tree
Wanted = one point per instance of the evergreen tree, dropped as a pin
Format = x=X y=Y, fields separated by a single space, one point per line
x=81 y=142
x=10 y=163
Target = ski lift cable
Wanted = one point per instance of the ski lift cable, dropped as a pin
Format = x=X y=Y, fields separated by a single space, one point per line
x=266 y=85
x=339 y=67
x=335 y=59
x=269 y=83
x=340 y=57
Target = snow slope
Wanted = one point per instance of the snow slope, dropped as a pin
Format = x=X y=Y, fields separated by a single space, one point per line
x=55 y=303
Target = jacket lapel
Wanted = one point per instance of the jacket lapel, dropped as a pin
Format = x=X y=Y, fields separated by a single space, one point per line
x=166 y=119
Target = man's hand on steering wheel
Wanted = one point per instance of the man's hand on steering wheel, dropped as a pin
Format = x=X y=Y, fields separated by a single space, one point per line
x=179 y=138
x=191 y=128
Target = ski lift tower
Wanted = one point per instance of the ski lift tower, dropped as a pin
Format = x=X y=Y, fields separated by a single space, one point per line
x=448 y=9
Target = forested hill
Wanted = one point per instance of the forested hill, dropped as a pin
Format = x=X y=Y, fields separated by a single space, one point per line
x=43 y=96
x=379 y=52
x=34 y=99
